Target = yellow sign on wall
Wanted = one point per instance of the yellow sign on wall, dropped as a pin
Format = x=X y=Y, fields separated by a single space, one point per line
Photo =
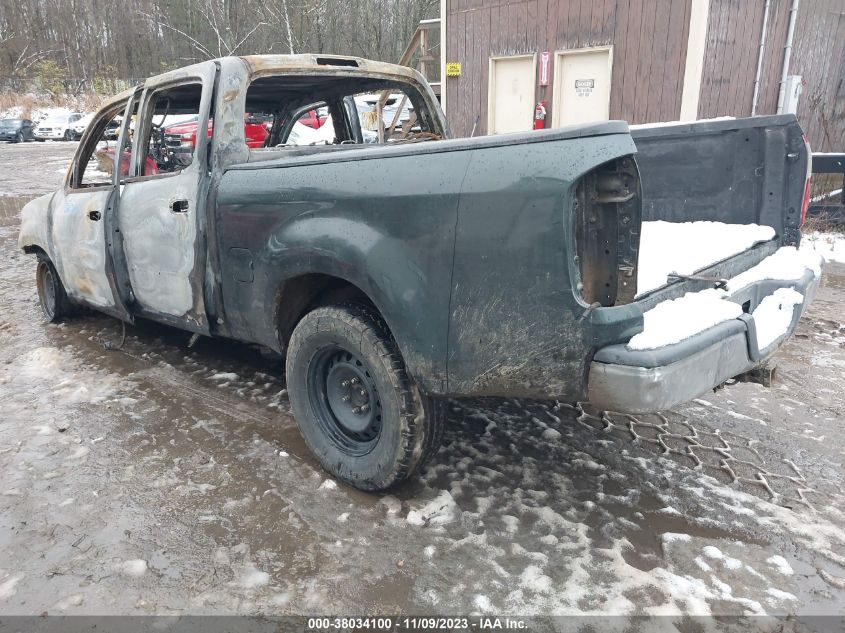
x=453 y=69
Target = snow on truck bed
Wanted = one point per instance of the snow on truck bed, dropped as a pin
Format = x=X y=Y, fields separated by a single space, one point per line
x=675 y=320
x=687 y=247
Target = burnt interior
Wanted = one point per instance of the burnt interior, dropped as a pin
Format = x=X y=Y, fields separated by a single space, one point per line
x=286 y=96
x=607 y=232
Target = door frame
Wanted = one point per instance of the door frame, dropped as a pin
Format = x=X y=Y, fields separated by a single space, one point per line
x=491 y=83
x=204 y=74
x=73 y=187
x=558 y=57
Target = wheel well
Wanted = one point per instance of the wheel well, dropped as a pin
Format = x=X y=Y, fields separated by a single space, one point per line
x=32 y=249
x=299 y=295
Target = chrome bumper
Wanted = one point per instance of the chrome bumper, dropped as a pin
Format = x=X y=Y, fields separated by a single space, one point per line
x=648 y=381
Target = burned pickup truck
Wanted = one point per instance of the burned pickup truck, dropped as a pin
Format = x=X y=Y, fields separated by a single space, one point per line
x=395 y=267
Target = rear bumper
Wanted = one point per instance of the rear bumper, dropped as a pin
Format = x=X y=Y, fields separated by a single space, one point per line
x=649 y=381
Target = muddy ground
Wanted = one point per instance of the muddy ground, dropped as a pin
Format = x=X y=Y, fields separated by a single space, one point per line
x=168 y=480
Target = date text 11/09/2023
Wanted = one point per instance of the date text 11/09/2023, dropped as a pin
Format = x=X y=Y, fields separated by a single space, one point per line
x=424 y=623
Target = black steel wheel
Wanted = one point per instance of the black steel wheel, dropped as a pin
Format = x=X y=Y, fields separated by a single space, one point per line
x=52 y=297
x=347 y=404
x=354 y=403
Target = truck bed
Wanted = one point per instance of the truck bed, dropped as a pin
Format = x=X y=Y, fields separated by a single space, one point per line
x=718 y=197
x=685 y=248
x=722 y=200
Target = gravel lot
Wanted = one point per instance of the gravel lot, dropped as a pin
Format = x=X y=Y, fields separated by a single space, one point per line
x=167 y=480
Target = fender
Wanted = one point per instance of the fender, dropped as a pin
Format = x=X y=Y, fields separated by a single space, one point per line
x=384 y=226
x=379 y=265
x=36 y=226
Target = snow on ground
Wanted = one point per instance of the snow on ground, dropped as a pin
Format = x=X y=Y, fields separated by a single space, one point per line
x=686 y=247
x=831 y=246
x=37 y=114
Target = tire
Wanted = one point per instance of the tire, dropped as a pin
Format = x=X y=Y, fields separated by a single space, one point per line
x=19 y=137
x=355 y=406
x=52 y=297
x=68 y=135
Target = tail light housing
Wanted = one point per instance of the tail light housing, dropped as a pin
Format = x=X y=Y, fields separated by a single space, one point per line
x=608 y=216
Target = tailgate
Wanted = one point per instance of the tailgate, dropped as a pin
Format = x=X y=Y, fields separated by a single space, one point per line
x=695 y=342
x=720 y=178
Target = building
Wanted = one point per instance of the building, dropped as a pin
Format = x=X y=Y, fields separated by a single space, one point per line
x=643 y=61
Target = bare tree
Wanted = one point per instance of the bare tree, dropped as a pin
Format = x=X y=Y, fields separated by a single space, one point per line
x=97 y=42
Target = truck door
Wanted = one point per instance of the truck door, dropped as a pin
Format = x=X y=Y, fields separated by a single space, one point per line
x=80 y=231
x=162 y=200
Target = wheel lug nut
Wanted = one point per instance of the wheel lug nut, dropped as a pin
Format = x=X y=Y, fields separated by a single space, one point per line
x=345 y=383
x=356 y=410
x=363 y=392
x=365 y=408
x=355 y=381
x=345 y=398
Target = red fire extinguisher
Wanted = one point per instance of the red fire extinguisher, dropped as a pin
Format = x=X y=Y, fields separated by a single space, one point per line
x=540 y=115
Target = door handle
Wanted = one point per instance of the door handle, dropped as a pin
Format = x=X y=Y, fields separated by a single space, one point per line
x=179 y=206
x=95 y=215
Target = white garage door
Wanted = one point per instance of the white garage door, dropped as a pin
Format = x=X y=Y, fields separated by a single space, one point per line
x=582 y=86
x=511 y=94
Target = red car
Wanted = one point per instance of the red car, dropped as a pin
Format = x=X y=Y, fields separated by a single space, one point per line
x=256 y=128
x=314 y=119
x=183 y=136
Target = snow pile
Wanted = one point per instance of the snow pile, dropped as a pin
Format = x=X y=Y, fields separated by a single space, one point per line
x=439 y=511
x=831 y=246
x=7 y=586
x=687 y=247
x=774 y=315
x=673 y=321
x=136 y=567
x=786 y=264
x=780 y=564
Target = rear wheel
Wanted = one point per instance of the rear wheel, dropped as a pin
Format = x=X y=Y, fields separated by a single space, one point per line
x=354 y=404
x=19 y=137
x=52 y=297
x=68 y=135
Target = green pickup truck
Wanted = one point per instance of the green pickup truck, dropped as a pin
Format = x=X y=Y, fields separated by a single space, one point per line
x=396 y=267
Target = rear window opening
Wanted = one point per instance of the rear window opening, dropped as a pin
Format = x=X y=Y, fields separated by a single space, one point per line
x=608 y=216
x=321 y=109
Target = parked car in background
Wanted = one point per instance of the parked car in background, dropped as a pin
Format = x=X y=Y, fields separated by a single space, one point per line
x=113 y=129
x=17 y=130
x=57 y=127
x=80 y=125
x=314 y=118
x=181 y=137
